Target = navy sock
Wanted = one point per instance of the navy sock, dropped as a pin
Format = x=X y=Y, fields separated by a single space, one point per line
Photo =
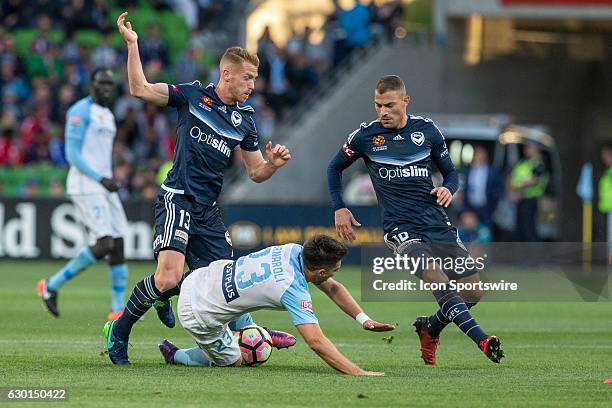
x=141 y=299
x=437 y=321
x=175 y=290
x=455 y=310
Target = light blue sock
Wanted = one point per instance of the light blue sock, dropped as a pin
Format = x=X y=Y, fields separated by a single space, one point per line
x=118 y=275
x=191 y=357
x=77 y=264
x=241 y=321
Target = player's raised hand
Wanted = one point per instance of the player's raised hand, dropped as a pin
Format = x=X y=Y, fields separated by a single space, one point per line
x=375 y=326
x=344 y=224
x=444 y=196
x=125 y=28
x=278 y=155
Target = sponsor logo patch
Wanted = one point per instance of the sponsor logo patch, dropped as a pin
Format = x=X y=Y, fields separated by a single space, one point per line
x=398 y=137
x=306 y=305
x=76 y=120
x=180 y=234
x=378 y=140
x=228 y=283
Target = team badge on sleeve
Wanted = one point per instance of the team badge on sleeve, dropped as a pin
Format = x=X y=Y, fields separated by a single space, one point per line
x=76 y=120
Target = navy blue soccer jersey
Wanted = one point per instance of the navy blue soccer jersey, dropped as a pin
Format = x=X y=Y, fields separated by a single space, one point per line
x=399 y=162
x=207 y=132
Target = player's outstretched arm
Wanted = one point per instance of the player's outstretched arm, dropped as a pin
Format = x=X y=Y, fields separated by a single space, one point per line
x=345 y=301
x=260 y=170
x=156 y=94
x=316 y=340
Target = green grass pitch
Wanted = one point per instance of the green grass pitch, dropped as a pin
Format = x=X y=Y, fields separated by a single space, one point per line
x=557 y=354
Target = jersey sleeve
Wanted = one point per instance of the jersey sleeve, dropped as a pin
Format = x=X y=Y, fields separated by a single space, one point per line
x=177 y=96
x=250 y=143
x=348 y=154
x=296 y=300
x=77 y=121
x=350 y=148
x=440 y=155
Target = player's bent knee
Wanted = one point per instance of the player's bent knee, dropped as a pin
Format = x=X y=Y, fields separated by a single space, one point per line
x=102 y=247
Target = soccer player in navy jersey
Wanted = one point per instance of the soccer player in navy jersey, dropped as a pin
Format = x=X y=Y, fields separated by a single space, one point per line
x=398 y=150
x=188 y=224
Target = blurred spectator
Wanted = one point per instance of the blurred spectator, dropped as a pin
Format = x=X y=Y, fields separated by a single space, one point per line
x=13 y=83
x=152 y=47
x=99 y=15
x=356 y=24
x=605 y=190
x=56 y=188
x=76 y=14
x=149 y=191
x=15 y=13
x=190 y=66
x=66 y=96
x=390 y=16
x=37 y=87
x=35 y=126
x=484 y=187
x=10 y=151
x=528 y=183
x=38 y=150
x=471 y=230
x=30 y=189
x=104 y=55
x=360 y=191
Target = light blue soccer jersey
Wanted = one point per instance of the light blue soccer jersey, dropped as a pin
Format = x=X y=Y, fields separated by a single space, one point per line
x=272 y=278
x=90 y=132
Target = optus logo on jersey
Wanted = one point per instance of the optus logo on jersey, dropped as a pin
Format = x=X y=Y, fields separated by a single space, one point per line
x=209 y=139
x=398 y=172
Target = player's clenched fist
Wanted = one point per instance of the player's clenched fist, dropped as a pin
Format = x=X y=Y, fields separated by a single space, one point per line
x=125 y=28
x=344 y=224
x=277 y=155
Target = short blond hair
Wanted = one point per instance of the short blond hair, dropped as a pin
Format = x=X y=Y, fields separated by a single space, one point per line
x=237 y=55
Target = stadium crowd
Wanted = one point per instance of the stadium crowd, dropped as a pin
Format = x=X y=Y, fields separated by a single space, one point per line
x=47 y=52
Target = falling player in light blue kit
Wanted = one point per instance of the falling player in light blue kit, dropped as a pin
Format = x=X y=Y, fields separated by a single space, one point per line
x=90 y=132
x=274 y=278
